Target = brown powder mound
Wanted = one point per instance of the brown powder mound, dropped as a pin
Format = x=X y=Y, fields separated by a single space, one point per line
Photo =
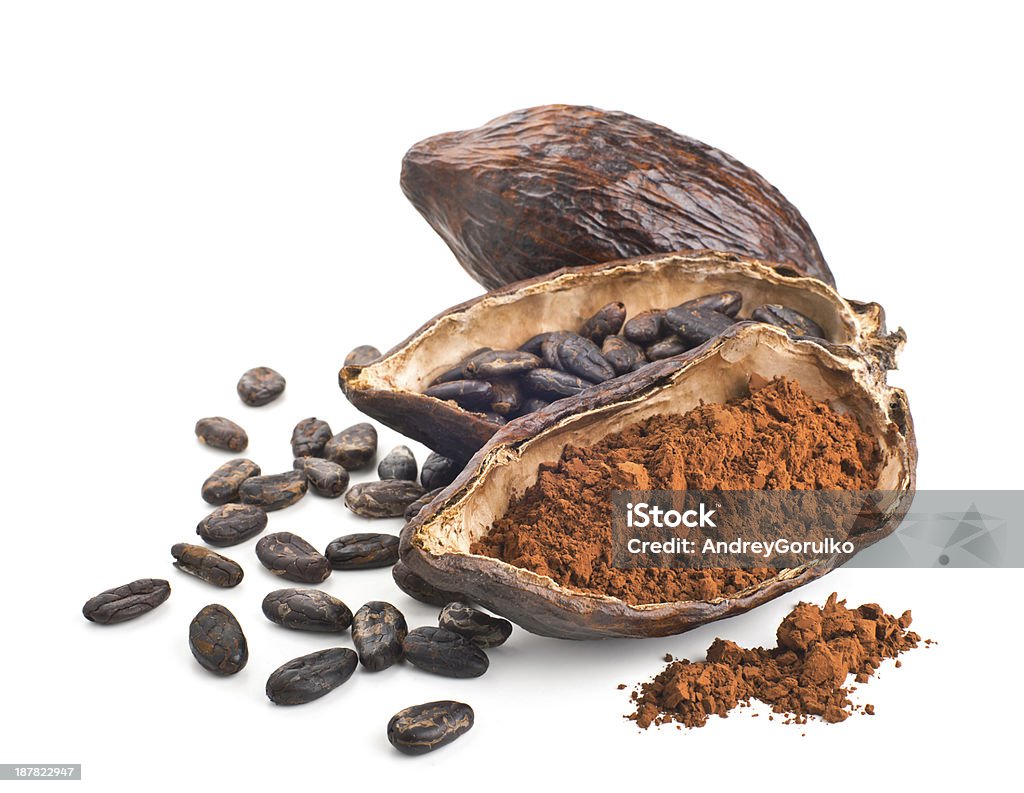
x=775 y=438
x=803 y=676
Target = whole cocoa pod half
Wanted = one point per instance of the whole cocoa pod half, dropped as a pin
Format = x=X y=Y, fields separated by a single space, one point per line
x=564 y=185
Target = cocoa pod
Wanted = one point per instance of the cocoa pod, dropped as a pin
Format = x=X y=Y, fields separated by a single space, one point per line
x=207 y=565
x=221 y=433
x=435 y=545
x=353 y=448
x=378 y=630
x=561 y=185
x=291 y=557
x=386 y=498
x=221 y=487
x=127 y=602
x=391 y=389
x=307 y=610
x=414 y=508
x=260 y=386
x=232 y=524
x=273 y=491
x=309 y=437
x=424 y=728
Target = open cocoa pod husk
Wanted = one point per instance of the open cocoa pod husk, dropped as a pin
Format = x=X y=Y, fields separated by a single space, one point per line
x=552 y=186
x=436 y=544
x=390 y=389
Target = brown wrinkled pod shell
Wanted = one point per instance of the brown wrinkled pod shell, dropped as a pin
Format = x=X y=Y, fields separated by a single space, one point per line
x=391 y=389
x=556 y=185
x=435 y=544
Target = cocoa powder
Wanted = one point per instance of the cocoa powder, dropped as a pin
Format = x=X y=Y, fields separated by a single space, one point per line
x=803 y=676
x=776 y=437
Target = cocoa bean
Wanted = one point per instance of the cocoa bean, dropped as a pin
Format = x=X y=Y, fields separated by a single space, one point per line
x=387 y=498
x=363 y=355
x=501 y=363
x=438 y=471
x=458 y=372
x=206 y=565
x=126 y=602
x=467 y=393
x=353 y=448
x=311 y=676
x=580 y=356
x=695 y=324
x=622 y=354
x=424 y=728
x=606 y=322
x=482 y=629
x=793 y=322
x=309 y=437
x=553 y=384
x=666 y=348
x=217 y=641
x=399 y=463
x=273 y=491
x=260 y=386
x=728 y=303
x=507 y=397
x=327 y=479
x=221 y=487
x=646 y=327
x=232 y=524
x=378 y=629
x=291 y=557
x=307 y=610
x=442 y=652
x=221 y=433
x=362 y=551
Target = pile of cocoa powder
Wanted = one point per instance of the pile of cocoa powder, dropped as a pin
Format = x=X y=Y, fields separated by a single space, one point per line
x=803 y=676
x=776 y=437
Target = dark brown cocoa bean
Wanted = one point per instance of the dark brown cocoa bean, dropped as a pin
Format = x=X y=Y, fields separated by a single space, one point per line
x=646 y=327
x=728 y=303
x=309 y=437
x=327 y=479
x=481 y=629
x=622 y=355
x=273 y=491
x=399 y=463
x=221 y=433
x=221 y=487
x=580 y=356
x=494 y=418
x=206 y=565
x=123 y=603
x=418 y=589
x=414 y=508
x=363 y=355
x=467 y=393
x=387 y=498
x=534 y=343
x=532 y=405
x=438 y=471
x=507 y=397
x=260 y=386
x=217 y=641
x=696 y=325
x=606 y=322
x=232 y=524
x=378 y=629
x=424 y=728
x=353 y=448
x=501 y=363
x=291 y=557
x=553 y=384
x=311 y=676
x=793 y=322
x=442 y=652
x=307 y=610
x=666 y=348
x=362 y=551
x=551 y=349
x=458 y=372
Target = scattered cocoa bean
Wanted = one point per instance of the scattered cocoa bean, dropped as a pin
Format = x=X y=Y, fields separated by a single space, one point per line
x=291 y=557
x=424 y=728
x=399 y=463
x=309 y=437
x=311 y=676
x=362 y=355
x=217 y=641
x=307 y=610
x=438 y=471
x=353 y=448
x=273 y=491
x=232 y=524
x=386 y=498
x=327 y=479
x=260 y=386
x=481 y=629
x=126 y=602
x=362 y=551
x=221 y=433
x=442 y=652
x=206 y=565
x=221 y=487
x=378 y=629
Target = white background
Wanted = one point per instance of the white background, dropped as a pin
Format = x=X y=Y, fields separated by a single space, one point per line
x=189 y=189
